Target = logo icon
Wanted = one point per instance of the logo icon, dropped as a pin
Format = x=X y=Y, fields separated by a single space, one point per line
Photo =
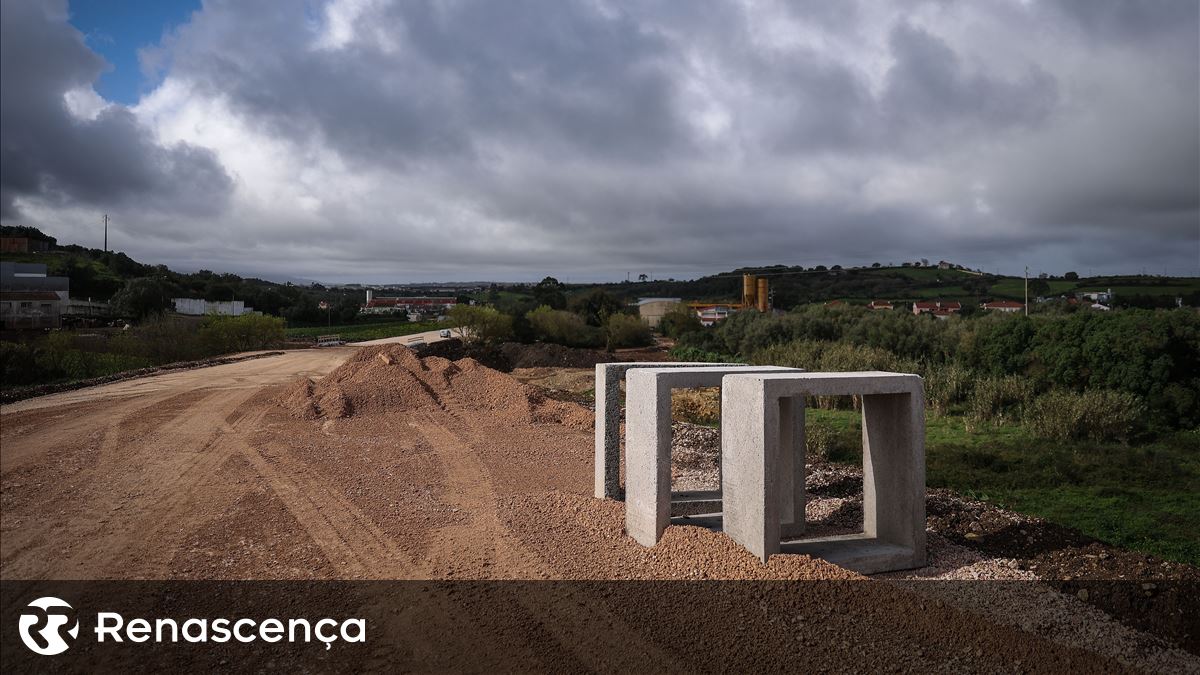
x=48 y=626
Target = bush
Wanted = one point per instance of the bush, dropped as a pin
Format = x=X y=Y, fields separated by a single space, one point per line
x=478 y=324
x=998 y=400
x=820 y=440
x=226 y=334
x=55 y=359
x=563 y=327
x=698 y=406
x=696 y=354
x=947 y=386
x=1095 y=415
x=624 y=330
x=161 y=339
x=679 y=321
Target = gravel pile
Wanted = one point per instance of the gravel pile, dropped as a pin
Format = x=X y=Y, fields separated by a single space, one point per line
x=392 y=378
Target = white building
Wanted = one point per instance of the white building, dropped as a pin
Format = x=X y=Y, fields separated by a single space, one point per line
x=196 y=307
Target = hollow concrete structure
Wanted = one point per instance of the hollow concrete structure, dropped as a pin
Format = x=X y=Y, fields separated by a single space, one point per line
x=608 y=422
x=648 y=497
x=759 y=453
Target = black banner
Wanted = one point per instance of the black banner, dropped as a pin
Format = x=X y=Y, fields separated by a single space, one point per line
x=523 y=626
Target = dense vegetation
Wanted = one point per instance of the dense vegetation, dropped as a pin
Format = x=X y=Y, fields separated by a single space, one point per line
x=591 y=319
x=1090 y=419
x=1140 y=367
x=64 y=356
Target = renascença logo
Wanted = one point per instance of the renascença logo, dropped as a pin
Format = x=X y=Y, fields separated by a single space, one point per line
x=48 y=626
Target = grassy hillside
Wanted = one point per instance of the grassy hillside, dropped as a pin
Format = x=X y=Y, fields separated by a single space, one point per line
x=793 y=286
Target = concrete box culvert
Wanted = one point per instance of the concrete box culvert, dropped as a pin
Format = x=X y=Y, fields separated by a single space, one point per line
x=608 y=421
x=648 y=496
x=760 y=414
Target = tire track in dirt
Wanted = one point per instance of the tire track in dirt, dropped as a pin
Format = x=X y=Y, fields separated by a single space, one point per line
x=151 y=504
x=350 y=539
x=493 y=551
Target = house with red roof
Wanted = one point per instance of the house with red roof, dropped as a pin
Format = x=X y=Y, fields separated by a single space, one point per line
x=1003 y=306
x=939 y=308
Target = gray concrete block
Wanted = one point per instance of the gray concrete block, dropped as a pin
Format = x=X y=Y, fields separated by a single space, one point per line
x=608 y=422
x=752 y=455
x=648 y=446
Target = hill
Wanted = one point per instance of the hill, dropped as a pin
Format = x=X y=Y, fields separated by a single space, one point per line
x=792 y=286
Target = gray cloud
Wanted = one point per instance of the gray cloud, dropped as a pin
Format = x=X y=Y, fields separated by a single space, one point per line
x=388 y=140
x=48 y=153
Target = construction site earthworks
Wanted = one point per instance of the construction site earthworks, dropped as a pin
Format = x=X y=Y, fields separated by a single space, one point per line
x=383 y=463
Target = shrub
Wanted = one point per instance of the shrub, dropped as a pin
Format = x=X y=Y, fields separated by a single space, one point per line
x=679 y=321
x=478 y=324
x=820 y=440
x=161 y=339
x=225 y=334
x=696 y=354
x=698 y=406
x=624 y=330
x=998 y=400
x=1096 y=415
x=947 y=386
x=563 y=327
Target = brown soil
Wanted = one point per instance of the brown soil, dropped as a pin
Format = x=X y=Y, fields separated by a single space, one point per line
x=373 y=463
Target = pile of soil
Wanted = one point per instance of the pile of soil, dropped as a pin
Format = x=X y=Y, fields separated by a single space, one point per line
x=393 y=378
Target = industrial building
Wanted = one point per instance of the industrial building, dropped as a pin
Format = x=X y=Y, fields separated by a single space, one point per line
x=197 y=307
x=652 y=310
x=410 y=304
x=29 y=298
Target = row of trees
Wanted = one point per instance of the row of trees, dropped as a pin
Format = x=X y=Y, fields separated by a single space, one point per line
x=594 y=319
x=1153 y=356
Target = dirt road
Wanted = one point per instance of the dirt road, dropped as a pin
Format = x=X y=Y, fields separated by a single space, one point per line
x=386 y=466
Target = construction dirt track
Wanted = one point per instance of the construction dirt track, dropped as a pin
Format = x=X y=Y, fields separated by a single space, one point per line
x=395 y=467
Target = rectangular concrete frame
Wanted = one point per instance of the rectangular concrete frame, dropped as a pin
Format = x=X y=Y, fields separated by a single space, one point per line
x=753 y=461
x=648 y=448
x=608 y=421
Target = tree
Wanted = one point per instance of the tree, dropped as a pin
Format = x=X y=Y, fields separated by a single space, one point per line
x=642 y=277
x=596 y=306
x=144 y=296
x=562 y=327
x=625 y=330
x=549 y=292
x=679 y=320
x=874 y=264
x=1038 y=287
x=479 y=324
x=1071 y=276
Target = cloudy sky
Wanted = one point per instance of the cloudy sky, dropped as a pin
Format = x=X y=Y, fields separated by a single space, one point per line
x=367 y=140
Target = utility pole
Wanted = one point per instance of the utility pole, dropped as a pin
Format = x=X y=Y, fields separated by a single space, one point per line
x=1027 y=290
x=106 y=233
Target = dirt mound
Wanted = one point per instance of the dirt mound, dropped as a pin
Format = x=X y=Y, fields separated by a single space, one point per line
x=391 y=378
x=375 y=380
x=480 y=388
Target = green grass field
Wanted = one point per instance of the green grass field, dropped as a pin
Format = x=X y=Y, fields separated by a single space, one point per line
x=1015 y=288
x=1144 y=497
x=365 y=331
